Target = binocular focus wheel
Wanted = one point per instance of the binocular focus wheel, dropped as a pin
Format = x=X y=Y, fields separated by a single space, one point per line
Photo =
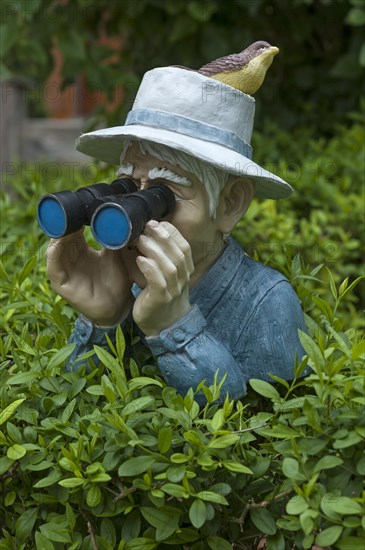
x=52 y=217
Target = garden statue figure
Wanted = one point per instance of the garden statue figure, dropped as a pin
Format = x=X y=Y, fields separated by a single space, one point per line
x=200 y=304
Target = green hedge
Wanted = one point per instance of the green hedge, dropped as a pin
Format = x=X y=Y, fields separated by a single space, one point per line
x=324 y=219
x=114 y=459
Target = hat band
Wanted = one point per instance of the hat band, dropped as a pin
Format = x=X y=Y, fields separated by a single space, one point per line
x=188 y=127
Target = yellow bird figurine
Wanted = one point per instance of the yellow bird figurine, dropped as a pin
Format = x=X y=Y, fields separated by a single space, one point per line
x=246 y=70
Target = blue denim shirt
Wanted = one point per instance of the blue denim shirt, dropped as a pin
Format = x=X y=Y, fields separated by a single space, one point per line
x=244 y=322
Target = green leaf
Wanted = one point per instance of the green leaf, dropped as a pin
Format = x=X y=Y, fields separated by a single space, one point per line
x=143 y=381
x=264 y=388
x=102 y=477
x=358 y=350
x=236 y=467
x=217 y=420
x=306 y=520
x=10 y=498
x=175 y=490
x=198 y=513
x=164 y=519
x=354 y=283
x=95 y=389
x=71 y=482
x=106 y=358
x=329 y=536
x=23 y=345
x=25 y=523
x=224 y=441
x=210 y=496
x=138 y=404
x=108 y=389
x=69 y=409
x=291 y=469
x=164 y=439
x=15 y=452
x=55 y=531
x=9 y=410
x=179 y=458
x=332 y=284
x=276 y=542
x=323 y=306
x=350 y=543
x=176 y=473
x=26 y=270
x=117 y=369
x=221 y=488
x=326 y=463
x=356 y=17
x=120 y=342
x=51 y=479
x=5 y=464
x=131 y=526
x=311 y=349
x=263 y=520
x=42 y=542
x=351 y=440
x=296 y=505
x=344 y=506
x=135 y=465
x=217 y=543
x=61 y=356
x=22 y=378
x=141 y=543
x=360 y=466
x=76 y=387
x=93 y=497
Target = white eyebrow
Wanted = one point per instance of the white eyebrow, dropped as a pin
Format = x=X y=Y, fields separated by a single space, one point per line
x=125 y=169
x=156 y=173
x=165 y=173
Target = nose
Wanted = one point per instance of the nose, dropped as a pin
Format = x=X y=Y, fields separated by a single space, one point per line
x=144 y=184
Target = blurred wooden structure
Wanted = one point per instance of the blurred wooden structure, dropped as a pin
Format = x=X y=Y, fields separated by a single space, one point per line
x=50 y=138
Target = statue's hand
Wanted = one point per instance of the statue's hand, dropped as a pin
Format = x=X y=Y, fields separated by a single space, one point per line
x=167 y=266
x=95 y=283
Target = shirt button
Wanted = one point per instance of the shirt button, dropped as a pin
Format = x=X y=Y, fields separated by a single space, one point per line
x=178 y=335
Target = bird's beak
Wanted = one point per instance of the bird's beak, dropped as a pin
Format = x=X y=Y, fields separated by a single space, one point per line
x=274 y=50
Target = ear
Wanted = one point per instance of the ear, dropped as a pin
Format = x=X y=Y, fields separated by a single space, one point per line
x=235 y=199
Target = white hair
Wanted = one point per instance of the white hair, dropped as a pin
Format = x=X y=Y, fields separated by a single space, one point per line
x=212 y=178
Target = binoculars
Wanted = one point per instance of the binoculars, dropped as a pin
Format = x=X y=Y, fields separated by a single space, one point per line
x=117 y=213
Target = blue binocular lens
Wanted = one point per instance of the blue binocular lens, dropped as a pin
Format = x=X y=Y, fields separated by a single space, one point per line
x=52 y=217
x=111 y=226
x=120 y=220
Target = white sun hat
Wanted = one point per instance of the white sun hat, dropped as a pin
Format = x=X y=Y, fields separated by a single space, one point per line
x=189 y=112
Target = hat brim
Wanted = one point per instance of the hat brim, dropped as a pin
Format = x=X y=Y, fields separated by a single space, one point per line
x=106 y=145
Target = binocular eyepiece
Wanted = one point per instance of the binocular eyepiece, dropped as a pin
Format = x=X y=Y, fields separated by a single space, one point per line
x=117 y=213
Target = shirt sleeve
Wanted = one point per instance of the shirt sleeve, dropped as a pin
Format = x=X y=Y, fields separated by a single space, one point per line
x=85 y=335
x=189 y=352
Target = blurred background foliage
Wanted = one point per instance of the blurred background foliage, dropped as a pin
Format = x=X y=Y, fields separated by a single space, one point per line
x=315 y=82
x=310 y=117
